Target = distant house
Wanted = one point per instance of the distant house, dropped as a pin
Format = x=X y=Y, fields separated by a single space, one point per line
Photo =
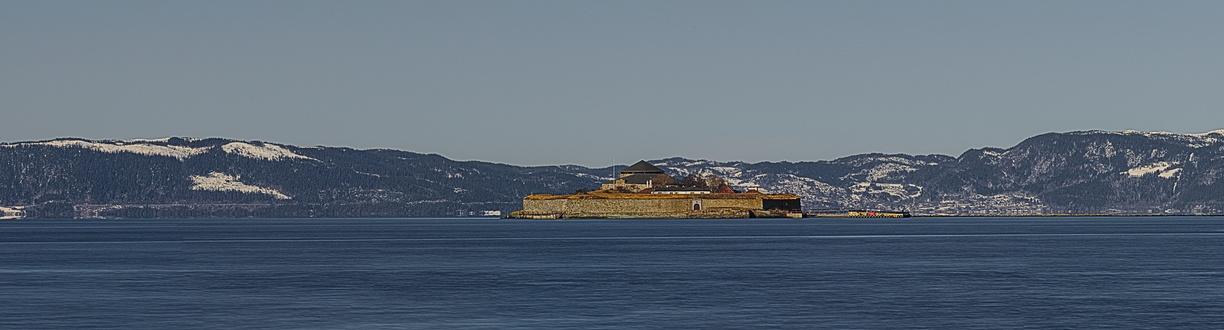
x=638 y=177
x=15 y=212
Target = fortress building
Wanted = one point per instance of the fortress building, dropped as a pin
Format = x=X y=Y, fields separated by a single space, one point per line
x=646 y=191
x=638 y=177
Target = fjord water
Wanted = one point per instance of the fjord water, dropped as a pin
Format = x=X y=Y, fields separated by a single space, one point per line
x=1158 y=272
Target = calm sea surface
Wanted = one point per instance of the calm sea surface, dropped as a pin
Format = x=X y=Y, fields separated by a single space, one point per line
x=934 y=273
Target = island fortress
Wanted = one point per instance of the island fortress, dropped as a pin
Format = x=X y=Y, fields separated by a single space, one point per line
x=646 y=191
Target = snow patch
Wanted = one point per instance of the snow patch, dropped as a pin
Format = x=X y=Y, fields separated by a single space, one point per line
x=1146 y=133
x=887 y=159
x=788 y=183
x=687 y=164
x=1194 y=140
x=217 y=181
x=369 y=174
x=883 y=171
x=723 y=170
x=1215 y=132
x=1162 y=169
x=1170 y=173
x=266 y=151
x=895 y=189
x=161 y=140
x=593 y=177
x=179 y=152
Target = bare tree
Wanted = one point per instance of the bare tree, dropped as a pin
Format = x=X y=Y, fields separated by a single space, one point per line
x=663 y=180
x=694 y=181
x=714 y=182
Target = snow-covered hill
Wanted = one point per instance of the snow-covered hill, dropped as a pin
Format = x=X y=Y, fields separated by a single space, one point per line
x=1078 y=172
x=1130 y=172
x=192 y=177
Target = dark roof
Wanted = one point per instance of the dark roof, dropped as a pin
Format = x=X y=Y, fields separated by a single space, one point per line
x=639 y=178
x=642 y=167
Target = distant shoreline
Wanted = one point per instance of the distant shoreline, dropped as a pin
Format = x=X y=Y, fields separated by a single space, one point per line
x=1057 y=215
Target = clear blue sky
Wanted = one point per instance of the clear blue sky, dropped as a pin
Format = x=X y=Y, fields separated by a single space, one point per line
x=583 y=82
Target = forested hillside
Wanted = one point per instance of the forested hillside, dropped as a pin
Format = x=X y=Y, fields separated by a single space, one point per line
x=1078 y=172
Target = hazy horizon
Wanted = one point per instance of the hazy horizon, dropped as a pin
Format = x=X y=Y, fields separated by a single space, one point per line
x=557 y=82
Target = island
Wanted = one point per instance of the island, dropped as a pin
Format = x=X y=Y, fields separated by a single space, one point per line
x=646 y=191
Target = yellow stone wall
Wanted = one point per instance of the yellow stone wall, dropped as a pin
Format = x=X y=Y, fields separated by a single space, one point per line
x=751 y=204
x=633 y=206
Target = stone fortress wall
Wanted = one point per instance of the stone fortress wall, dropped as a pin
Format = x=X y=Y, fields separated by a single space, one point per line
x=624 y=198
x=595 y=207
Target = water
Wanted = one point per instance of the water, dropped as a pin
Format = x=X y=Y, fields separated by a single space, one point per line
x=933 y=273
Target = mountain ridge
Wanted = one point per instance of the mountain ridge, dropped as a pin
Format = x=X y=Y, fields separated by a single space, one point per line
x=1086 y=172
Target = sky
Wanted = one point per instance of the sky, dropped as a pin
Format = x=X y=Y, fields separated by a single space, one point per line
x=593 y=82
